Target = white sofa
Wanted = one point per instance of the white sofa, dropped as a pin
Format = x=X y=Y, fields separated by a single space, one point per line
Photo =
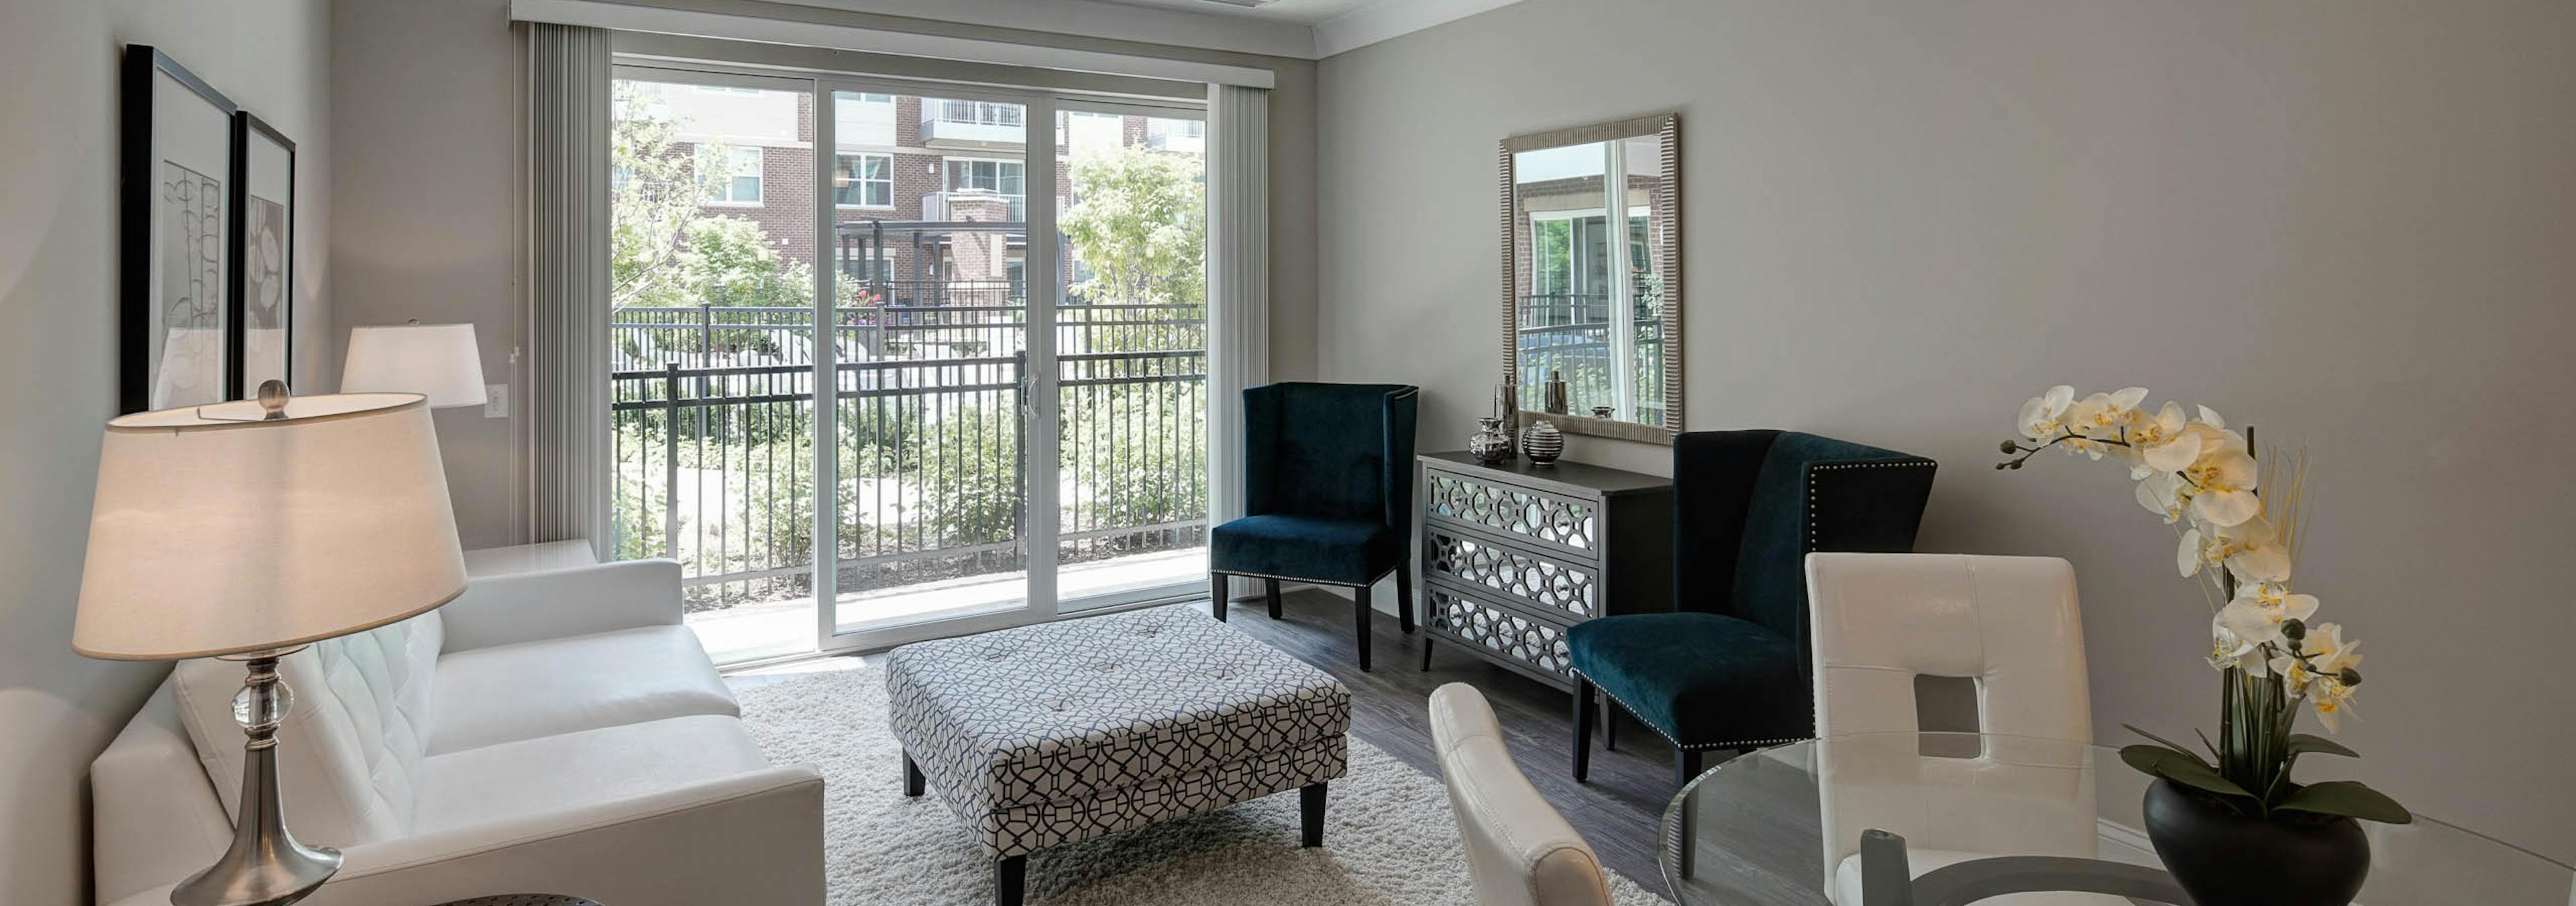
x=555 y=731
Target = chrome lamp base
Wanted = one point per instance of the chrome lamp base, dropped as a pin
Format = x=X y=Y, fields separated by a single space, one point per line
x=265 y=866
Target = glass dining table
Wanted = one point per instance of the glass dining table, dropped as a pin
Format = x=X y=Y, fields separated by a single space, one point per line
x=1785 y=826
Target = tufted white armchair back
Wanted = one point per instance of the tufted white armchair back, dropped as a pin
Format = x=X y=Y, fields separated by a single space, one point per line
x=351 y=749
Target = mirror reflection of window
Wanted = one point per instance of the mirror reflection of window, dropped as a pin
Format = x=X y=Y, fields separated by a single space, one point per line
x=1589 y=299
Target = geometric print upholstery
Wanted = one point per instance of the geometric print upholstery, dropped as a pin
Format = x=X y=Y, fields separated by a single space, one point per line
x=1059 y=732
x=351 y=748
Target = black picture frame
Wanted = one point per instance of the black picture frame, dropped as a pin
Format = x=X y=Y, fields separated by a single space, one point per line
x=176 y=305
x=261 y=340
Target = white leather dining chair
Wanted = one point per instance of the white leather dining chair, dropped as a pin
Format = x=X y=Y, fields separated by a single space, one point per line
x=2009 y=626
x=1520 y=852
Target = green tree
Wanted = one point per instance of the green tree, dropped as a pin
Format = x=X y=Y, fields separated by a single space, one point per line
x=1140 y=226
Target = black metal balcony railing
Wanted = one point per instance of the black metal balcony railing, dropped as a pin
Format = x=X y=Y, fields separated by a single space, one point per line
x=713 y=433
x=1570 y=333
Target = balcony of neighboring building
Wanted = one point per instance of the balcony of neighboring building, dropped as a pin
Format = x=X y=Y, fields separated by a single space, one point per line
x=972 y=125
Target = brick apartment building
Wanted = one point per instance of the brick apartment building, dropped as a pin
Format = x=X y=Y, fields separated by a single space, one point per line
x=910 y=177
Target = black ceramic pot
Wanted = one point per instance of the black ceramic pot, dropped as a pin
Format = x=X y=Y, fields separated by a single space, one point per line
x=2222 y=858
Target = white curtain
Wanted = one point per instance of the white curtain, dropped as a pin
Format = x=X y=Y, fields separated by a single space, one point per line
x=567 y=130
x=1238 y=271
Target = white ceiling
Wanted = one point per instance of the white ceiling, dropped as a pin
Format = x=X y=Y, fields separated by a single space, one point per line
x=1306 y=29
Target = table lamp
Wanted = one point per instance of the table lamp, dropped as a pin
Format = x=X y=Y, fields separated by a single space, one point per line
x=246 y=531
x=439 y=361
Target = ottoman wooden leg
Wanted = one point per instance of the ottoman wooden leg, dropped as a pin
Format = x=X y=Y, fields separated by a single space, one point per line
x=911 y=776
x=1216 y=595
x=1270 y=590
x=1010 y=880
x=1310 y=811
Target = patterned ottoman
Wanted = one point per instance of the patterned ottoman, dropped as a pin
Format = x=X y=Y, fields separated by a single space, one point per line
x=1058 y=733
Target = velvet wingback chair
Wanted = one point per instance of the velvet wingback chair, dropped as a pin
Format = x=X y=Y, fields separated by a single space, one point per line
x=1328 y=494
x=1729 y=667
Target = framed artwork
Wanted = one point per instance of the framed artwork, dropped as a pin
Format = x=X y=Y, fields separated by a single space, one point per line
x=175 y=341
x=263 y=255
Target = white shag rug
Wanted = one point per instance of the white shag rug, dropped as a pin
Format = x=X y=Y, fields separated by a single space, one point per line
x=1389 y=839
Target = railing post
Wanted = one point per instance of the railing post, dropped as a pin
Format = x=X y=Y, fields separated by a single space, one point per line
x=671 y=460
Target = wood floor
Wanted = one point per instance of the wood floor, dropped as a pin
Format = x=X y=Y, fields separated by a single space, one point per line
x=1619 y=811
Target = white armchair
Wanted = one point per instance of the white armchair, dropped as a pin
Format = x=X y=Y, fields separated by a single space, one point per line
x=554 y=731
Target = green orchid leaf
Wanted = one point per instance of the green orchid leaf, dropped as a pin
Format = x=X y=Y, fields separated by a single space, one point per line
x=2167 y=743
x=2347 y=798
x=2310 y=742
x=2180 y=767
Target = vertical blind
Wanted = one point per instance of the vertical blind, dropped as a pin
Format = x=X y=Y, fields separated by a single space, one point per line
x=1238 y=268
x=567 y=129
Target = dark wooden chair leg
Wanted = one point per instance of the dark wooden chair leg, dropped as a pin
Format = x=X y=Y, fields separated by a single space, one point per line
x=1270 y=590
x=1583 y=708
x=1010 y=880
x=1686 y=765
x=1310 y=814
x=1609 y=725
x=1426 y=652
x=912 y=781
x=1360 y=610
x=1404 y=598
x=1216 y=595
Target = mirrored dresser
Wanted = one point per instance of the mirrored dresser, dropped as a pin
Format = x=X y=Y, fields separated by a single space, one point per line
x=1511 y=555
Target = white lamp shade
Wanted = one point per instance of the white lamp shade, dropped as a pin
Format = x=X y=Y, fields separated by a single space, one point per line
x=215 y=532
x=439 y=361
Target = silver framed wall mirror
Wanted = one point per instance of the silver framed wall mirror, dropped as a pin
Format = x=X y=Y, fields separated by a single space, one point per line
x=1592 y=313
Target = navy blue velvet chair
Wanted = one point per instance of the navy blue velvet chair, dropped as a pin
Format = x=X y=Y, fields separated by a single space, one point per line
x=1729 y=667
x=1328 y=494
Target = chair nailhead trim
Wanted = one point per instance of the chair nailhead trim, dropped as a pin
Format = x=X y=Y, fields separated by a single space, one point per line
x=1694 y=747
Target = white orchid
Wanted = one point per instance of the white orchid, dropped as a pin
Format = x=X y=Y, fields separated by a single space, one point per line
x=2160 y=443
x=2200 y=477
x=2252 y=550
x=2161 y=494
x=2226 y=650
x=2098 y=423
x=2222 y=484
x=2043 y=418
x=2259 y=610
x=2319 y=675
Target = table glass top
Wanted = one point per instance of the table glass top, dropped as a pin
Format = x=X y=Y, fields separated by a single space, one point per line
x=1781 y=827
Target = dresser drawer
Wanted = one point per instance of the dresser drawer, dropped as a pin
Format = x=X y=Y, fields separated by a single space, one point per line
x=1534 y=581
x=1546 y=519
x=1500 y=633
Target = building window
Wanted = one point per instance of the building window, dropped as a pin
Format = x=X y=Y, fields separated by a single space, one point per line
x=733 y=174
x=863 y=180
x=725 y=89
x=1002 y=177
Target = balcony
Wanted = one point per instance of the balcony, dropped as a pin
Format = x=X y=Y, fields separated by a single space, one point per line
x=972 y=125
x=713 y=440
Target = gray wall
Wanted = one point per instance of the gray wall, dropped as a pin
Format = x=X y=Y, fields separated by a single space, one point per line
x=427 y=195
x=58 y=292
x=2349 y=224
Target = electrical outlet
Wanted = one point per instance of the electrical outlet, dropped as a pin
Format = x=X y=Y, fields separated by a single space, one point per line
x=496 y=401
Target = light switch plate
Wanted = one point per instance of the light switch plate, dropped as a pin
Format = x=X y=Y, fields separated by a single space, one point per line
x=496 y=401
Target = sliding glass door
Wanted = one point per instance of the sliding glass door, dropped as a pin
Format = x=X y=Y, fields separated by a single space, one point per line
x=1012 y=428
